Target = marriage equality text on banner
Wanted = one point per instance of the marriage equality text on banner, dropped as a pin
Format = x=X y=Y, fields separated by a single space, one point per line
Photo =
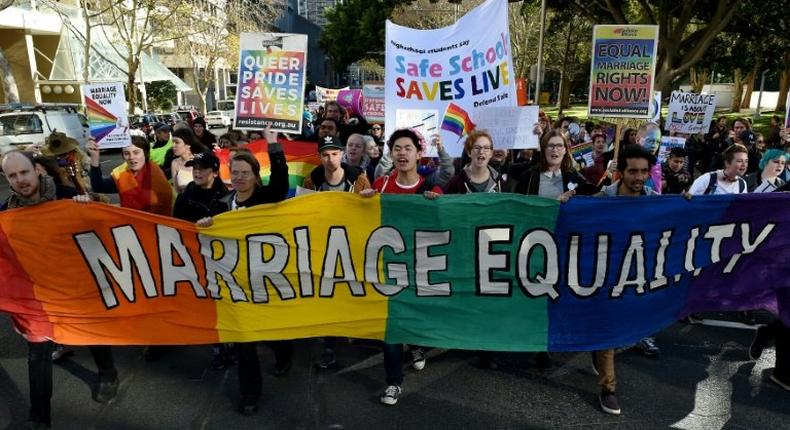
x=428 y=69
x=105 y=106
x=270 y=89
x=531 y=275
x=622 y=70
x=690 y=113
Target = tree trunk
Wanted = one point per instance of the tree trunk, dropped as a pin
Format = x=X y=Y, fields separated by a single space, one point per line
x=131 y=89
x=200 y=87
x=565 y=94
x=698 y=78
x=738 y=94
x=747 y=95
x=10 y=90
x=784 y=84
x=564 y=73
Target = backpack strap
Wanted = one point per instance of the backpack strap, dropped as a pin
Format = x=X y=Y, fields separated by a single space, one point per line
x=741 y=185
x=713 y=180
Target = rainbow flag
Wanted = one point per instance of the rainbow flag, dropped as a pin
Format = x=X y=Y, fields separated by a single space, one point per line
x=456 y=120
x=301 y=156
x=102 y=122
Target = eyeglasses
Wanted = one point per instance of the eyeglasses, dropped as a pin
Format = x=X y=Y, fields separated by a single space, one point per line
x=241 y=174
x=482 y=148
x=376 y=128
x=557 y=146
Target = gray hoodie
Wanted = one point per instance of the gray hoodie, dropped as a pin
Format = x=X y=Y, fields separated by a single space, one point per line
x=611 y=190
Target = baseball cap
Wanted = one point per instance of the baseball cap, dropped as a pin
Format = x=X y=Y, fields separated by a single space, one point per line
x=204 y=160
x=162 y=126
x=330 y=142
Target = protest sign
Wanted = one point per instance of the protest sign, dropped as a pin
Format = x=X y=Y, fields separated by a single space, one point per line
x=351 y=100
x=787 y=113
x=655 y=108
x=667 y=143
x=323 y=95
x=427 y=70
x=105 y=106
x=511 y=127
x=622 y=70
x=373 y=103
x=531 y=275
x=271 y=82
x=690 y=113
x=583 y=153
x=424 y=122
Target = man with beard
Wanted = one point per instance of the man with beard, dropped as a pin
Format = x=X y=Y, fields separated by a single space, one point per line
x=29 y=189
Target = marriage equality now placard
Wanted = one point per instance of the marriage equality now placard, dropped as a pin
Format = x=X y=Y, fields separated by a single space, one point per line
x=477 y=271
x=428 y=70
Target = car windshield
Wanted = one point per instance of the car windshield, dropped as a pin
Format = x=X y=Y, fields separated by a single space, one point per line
x=11 y=125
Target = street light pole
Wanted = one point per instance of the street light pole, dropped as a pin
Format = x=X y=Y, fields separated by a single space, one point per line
x=540 y=50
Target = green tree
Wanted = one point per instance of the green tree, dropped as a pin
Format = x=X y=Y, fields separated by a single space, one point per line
x=161 y=95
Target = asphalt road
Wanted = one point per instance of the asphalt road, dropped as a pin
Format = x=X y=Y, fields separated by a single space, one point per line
x=702 y=380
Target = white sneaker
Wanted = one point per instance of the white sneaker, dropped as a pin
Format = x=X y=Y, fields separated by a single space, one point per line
x=391 y=395
x=417 y=359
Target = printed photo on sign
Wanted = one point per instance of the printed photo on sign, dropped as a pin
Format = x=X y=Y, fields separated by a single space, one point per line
x=667 y=143
x=433 y=69
x=105 y=106
x=423 y=121
x=622 y=70
x=271 y=82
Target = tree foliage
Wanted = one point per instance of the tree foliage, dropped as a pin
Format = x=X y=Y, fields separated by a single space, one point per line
x=161 y=95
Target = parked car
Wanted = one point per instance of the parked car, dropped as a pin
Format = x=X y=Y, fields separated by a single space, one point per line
x=169 y=118
x=217 y=118
x=188 y=114
x=22 y=125
x=144 y=122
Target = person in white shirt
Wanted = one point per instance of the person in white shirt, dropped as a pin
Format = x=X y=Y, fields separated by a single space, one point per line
x=728 y=180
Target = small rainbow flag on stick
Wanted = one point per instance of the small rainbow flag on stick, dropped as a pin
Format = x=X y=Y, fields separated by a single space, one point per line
x=456 y=120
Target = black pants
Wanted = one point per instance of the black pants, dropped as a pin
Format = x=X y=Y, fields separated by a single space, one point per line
x=39 y=371
x=781 y=335
x=250 y=381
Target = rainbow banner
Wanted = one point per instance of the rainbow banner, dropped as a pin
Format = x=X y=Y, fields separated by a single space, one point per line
x=271 y=82
x=301 y=157
x=105 y=106
x=476 y=271
x=622 y=70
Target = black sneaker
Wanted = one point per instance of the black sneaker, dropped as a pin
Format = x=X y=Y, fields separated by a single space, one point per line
x=391 y=395
x=609 y=403
x=281 y=369
x=782 y=382
x=327 y=360
x=648 y=347
x=759 y=343
x=248 y=405
x=217 y=361
x=105 y=391
x=61 y=352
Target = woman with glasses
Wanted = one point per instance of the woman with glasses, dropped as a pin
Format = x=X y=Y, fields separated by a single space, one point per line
x=477 y=175
x=554 y=177
x=248 y=190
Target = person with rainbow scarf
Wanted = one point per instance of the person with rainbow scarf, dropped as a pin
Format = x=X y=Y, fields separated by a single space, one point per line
x=139 y=181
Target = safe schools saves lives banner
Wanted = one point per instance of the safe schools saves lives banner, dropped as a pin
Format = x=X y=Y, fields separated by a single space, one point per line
x=478 y=271
x=271 y=82
x=426 y=70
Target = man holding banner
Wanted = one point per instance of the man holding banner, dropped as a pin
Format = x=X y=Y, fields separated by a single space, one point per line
x=31 y=189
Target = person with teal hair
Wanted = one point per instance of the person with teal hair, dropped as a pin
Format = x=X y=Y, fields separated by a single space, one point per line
x=766 y=180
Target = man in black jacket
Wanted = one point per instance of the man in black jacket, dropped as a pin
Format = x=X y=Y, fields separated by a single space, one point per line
x=29 y=189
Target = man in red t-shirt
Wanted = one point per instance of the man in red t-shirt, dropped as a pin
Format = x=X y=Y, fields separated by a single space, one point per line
x=406 y=151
